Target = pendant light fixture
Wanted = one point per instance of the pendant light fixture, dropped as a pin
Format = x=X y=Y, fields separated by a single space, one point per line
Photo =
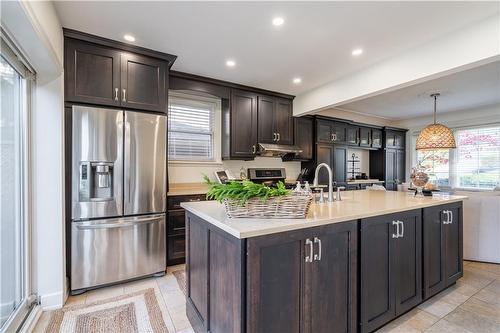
x=436 y=136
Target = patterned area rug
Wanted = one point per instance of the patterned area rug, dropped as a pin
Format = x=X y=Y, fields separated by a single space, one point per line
x=180 y=276
x=137 y=312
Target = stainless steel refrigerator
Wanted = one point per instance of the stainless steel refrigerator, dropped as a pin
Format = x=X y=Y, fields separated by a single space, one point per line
x=118 y=196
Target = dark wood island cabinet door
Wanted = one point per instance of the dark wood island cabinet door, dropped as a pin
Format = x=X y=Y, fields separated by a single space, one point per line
x=408 y=268
x=433 y=244
x=442 y=247
x=331 y=281
x=143 y=83
x=378 y=257
x=453 y=247
x=92 y=73
x=274 y=283
x=283 y=121
x=243 y=124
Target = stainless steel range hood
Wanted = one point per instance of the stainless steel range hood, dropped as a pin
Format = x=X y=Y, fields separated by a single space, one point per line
x=274 y=150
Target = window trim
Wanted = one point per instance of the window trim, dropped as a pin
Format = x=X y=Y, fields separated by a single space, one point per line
x=217 y=136
x=453 y=156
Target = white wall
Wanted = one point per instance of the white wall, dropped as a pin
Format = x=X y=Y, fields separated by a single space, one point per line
x=467 y=48
x=193 y=173
x=36 y=30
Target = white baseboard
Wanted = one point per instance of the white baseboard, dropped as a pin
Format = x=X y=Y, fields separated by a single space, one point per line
x=52 y=301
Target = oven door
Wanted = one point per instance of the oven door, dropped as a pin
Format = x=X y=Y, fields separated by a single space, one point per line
x=112 y=250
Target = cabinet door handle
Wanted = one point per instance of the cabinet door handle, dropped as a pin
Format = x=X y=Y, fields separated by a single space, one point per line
x=396 y=235
x=447 y=220
x=309 y=258
x=116 y=94
x=451 y=217
x=318 y=241
x=274 y=136
x=279 y=138
x=254 y=149
x=402 y=229
x=124 y=97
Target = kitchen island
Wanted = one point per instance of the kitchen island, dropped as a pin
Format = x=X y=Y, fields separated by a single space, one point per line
x=351 y=265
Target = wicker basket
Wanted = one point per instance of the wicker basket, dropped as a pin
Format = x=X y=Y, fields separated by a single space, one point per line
x=293 y=206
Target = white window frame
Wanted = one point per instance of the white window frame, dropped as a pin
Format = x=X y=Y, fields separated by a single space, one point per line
x=195 y=98
x=16 y=59
x=453 y=174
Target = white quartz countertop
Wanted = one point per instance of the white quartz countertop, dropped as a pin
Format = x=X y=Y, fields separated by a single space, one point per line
x=354 y=205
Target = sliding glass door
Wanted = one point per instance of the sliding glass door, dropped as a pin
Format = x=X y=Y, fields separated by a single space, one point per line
x=15 y=268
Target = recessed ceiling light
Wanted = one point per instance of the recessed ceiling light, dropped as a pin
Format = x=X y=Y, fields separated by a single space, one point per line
x=129 y=38
x=297 y=80
x=230 y=63
x=357 y=52
x=277 y=21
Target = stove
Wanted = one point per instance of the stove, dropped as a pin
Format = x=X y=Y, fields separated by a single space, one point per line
x=268 y=176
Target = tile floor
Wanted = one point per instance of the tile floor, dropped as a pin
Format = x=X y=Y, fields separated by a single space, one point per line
x=472 y=305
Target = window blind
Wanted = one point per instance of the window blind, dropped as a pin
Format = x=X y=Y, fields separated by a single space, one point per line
x=191 y=130
x=477 y=161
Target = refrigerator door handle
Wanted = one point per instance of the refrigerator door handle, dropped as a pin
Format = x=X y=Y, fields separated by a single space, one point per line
x=117 y=224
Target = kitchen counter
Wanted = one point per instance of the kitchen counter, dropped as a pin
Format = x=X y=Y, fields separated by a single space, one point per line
x=354 y=205
x=187 y=189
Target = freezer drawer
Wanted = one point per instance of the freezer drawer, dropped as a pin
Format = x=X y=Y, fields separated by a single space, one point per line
x=111 y=250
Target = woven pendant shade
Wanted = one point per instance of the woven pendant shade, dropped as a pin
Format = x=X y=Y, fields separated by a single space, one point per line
x=436 y=136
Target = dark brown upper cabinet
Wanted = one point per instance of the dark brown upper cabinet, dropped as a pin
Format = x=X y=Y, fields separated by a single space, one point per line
x=304 y=137
x=265 y=119
x=143 y=83
x=283 y=121
x=352 y=135
x=376 y=141
x=365 y=137
x=243 y=129
x=339 y=132
x=391 y=273
x=275 y=120
x=328 y=131
x=395 y=139
x=92 y=73
x=105 y=72
x=442 y=247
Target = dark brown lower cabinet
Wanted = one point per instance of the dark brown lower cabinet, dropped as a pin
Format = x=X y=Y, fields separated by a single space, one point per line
x=176 y=227
x=443 y=247
x=297 y=281
x=390 y=262
x=303 y=281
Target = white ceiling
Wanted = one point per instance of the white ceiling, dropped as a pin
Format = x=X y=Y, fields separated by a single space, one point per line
x=464 y=90
x=315 y=42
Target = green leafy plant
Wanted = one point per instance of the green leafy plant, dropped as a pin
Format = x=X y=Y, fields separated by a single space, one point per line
x=243 y=190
